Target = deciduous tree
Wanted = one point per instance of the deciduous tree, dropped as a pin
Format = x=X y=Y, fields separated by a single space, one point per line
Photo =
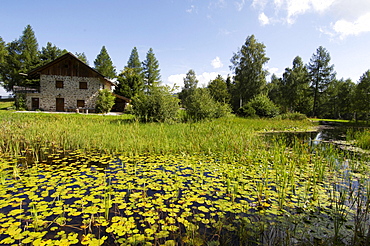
x=190 y=84
x=296 y=88
x=250 y=75
x=218 y=89
x=362 y=96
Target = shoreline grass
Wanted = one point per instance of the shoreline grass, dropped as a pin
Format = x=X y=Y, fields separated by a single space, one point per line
x=122 y=134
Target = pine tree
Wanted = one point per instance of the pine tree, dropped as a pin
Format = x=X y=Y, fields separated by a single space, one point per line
x=151 y=70
x=50 y=53
x=3 y=52
x=130 y=84
x=134 y=61
x=104 y=65
x=321 y=74
x=22 y=57
x=29 y=49
x=3 y=57
x=131 y=80
x=82 y=57
x=250 y=76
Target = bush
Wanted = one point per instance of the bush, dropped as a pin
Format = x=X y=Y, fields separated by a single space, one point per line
x=20 y=102
x=200 y=105
x=263 y=106
x=247 y=111
x=104 y=102
x=159 y=105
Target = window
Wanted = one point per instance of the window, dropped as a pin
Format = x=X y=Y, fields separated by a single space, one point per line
x=80 y=103
x=83 y=85
x=59 y=84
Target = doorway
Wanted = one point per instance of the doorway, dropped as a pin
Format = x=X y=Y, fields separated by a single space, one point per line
x=60 y=105
x=35 y=103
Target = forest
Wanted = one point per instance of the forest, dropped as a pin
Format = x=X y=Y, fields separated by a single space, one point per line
x=310 y=89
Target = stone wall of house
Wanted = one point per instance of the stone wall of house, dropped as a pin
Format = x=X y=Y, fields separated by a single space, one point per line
x=70 y=92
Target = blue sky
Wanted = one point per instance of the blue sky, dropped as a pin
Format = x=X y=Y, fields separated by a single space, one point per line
x=199 y=34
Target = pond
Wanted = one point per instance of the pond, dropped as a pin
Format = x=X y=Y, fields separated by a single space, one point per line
x=283 y=194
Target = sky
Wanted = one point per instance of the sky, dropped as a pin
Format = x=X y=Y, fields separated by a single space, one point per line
x=201 y=35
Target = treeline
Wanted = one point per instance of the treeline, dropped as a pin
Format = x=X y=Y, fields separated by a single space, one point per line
x=309 y=89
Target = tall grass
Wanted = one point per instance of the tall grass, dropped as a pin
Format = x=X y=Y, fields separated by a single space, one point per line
x=120 y=134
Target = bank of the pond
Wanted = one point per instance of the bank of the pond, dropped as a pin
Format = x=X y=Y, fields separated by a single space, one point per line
x=121 y=134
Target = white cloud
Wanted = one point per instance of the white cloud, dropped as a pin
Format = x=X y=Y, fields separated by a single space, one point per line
x=264 y=20
x=217 y=4
x=204 y=79
x=350 y=17
x=346 y=28
x=216 y=63
x=259 y=3
x=240 y=5
x=176 y=80
x=292 y=8
x=191 y=9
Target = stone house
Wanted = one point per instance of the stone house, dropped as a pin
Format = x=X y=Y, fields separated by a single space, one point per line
x=66 y=84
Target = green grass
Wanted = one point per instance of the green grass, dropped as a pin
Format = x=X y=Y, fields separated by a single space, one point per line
x=5 y=104
x=122 y=134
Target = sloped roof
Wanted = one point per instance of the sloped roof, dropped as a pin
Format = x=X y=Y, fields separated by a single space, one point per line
x=35 y=72
x=122 y=97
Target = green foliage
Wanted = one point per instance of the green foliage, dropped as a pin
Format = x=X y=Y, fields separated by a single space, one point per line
x=151 y=70
x=291 y=116
x=362 y=96
x=134 y=61
x=296 y=88
x=82 y=57
x=22 y=56
x=321 y=74
x=104 y=65
x=190 y=84
x=338 y=103
x=50 y=53
x=200 y=105
x=130 y=84
x=105 y=101
x=20 y=102
x=250 y=74
x=263 y=106
x=247 y=111
x=218 y=89
x=157 y=106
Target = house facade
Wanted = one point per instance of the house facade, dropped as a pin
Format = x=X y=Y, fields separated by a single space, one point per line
x=66 y=84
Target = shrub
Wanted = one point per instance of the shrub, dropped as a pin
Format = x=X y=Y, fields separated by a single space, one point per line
x=104 y=102
x=247 y=111
x=200 y=105
x=263 y=106
x=159 y=105
x=20 y=102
